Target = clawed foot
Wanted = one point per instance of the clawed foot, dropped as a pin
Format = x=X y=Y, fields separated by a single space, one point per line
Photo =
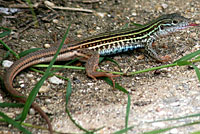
x=94 y=75
x=165 y=58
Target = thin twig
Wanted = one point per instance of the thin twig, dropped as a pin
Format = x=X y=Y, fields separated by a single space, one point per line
x=52 y=5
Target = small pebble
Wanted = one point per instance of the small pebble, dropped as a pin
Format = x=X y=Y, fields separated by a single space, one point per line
x=197 y=21
x=29 y=75
x=48 y=3
x=21 y=82
x=11 y=115
x=1 y=99
x=44 y=89
x=32 y=111
x=134 y=14
x=48 y=101
x=7 y=63
x=164 y=5
x=22 y=85
x=47 y=45
x=90 y=84
x=101 y=14
x=56 y=80
x=98 y=28
x=55 y=21
x=175 y=104
x=193 y=35
x=158 y=8
x=192 y=9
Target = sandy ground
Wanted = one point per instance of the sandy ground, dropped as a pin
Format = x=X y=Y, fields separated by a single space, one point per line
x=173 y=92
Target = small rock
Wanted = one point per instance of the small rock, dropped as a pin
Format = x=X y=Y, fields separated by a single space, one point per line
x=134 y=14
x=32 y=111
x=48 y=101
x=90 y=84
x=175 y=104
x=21 y=82
x=29 y=75
x=193 y=35
x=197 y=21
x=158 y=8
x=55 y=21
x=44 y=89
x=109 y=15
x=164 y=6
x=11 y=115
x=7 y=63
x=1 y=99
x=47 y=45
x=137 y=78
x=192 y=9
x=56 y=80
x=48 y=3
x=98 y=28
x=101 y=14
x=22 y=85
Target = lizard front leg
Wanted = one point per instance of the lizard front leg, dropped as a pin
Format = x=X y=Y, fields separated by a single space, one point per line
x=151 y=52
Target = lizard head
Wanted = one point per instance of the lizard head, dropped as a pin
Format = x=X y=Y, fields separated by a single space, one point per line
x=172 y=23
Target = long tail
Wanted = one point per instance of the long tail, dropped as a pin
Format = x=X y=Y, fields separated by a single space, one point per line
x=13 y=71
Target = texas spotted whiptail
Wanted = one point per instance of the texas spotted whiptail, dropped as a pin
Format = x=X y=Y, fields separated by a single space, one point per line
x=104 y=44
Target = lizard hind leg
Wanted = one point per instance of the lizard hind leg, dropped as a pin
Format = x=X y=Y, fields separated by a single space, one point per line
x=91 y=66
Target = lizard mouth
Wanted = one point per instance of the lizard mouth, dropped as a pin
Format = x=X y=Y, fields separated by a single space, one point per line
x=186 y=26
x=193 y=24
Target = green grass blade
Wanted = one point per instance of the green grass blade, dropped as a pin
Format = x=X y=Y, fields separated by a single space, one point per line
x=122 y=131
x=136 y=25
x=68 y=91
x=183 y=63
x=170 y=119
x=74 y=121
x=197 y=71
x=101 y=59
x=35 y=90
x=9 y=49
x=60 y=66
x=14 y=123
x=189 y=56
x=158 y=131
x=26 y=52
x=127 y=111
x=198 y=57
x=169 y=128
x=117 y=86
x=13 y=105
x=32 y=11
x=5 y=33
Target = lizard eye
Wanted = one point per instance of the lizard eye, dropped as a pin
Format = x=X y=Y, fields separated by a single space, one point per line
x=174 y=21
x=161 y=27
